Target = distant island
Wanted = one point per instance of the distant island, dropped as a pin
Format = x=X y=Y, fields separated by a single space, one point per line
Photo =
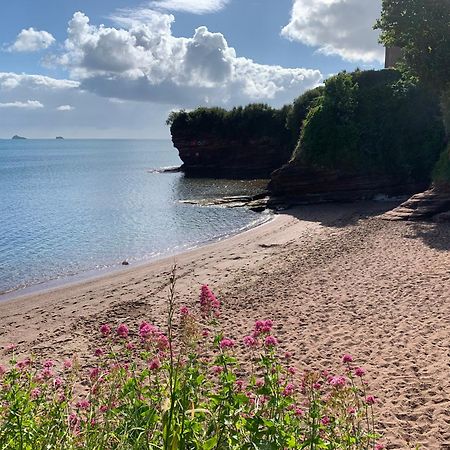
x=59 y=137
x=18 y=137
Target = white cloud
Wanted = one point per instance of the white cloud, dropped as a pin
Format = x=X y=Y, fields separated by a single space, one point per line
x=192 y=6
x=29 y=104
x=32 y=40
x=337 y=27
x=11 y=80
x=65 y=108
x=146 y=62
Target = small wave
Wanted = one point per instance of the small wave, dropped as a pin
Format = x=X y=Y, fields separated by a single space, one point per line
x=169 y=169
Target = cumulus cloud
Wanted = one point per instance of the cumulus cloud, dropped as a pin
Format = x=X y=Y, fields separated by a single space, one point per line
x=31 y=40
x=192 y=6
x=144 y=61
x=29 y=104
x=65 y=108
x=337 y=27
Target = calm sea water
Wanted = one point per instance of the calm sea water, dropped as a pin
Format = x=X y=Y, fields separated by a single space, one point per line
x=73 y=206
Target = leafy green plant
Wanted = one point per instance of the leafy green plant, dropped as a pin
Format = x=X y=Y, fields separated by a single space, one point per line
x=185 y=388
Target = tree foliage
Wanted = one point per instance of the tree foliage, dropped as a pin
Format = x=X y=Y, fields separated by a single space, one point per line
x=422 y=29
x=373 y=122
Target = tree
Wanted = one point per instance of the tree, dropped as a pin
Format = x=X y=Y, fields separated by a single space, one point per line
x=422 y=29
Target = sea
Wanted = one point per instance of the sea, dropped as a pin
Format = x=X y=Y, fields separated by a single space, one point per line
x=78 y=208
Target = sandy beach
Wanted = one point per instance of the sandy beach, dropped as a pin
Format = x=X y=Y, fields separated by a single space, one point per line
x=335 y=279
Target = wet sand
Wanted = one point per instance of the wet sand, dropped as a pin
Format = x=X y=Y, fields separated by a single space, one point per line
x=334 y=278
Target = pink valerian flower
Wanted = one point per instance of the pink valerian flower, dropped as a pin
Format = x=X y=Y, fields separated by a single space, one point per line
x=325 y=420
x=259 y=383
x=122 y=330
x=21 y=365
x=351 y=411
x=57 y=382
x=299 y=412
x=105 y=329
x=347 y=358
x=371 y=400
x=205 y=332
x=49 y=363
x=10 y=348
x=288 y=390
x=288 y=355
x=99 y=352
x=83 y=404
x=35 y=393
x=270 y=341
x=216 y=370
x=154 y=364
x=360 y=372
x=379 y=447
x=226 y=343
x=74 y=420
x=46 y=373
x=250 y=341
x=67 y=364
x=184 y=311
x=262 y=326
x=208 y=302
x=338 y=381
x=130 y=346
x=239 y=385
x=162 y=341
x=146 y=330
x=94 y=373
x=292 y=370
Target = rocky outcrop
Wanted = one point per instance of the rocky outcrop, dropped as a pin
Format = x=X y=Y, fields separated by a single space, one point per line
x=299 y=184
x=216 y=157
x=432 y=204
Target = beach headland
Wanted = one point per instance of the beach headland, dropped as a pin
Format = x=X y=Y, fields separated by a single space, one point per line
x=334 y=279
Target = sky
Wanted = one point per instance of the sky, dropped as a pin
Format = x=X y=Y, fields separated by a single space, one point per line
x=116 y=68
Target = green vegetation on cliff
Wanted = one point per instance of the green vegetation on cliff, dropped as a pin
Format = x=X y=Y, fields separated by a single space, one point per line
x=373 y=122
x=422 y=29
x=252 y=121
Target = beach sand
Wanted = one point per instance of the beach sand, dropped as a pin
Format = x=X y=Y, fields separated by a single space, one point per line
x=335 y=279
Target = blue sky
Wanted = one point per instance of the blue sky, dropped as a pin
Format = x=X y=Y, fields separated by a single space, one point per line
x=116 y=68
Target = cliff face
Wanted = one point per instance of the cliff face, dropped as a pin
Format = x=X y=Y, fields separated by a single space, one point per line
x=306 y=185
x=206 y=155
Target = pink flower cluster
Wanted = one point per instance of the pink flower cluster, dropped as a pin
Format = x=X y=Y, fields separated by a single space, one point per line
x=209 y=304
x=150 y=333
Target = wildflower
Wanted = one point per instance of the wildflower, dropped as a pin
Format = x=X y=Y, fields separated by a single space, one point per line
x=67 y=364
x=73 y=420
x=105 y=330
x=325 y=420
x=371 y=400
x=379 y=447
x=359 y=372
x=299 y=412
x=208 y=302
x=46 y=373
x=288 y=355
x=146 y=330
x=259 y=382
x=154 y=364
x=21 y=365
x=270 y=341
x=216 y=370
x=249 y=341
x=130 y=346
x=35 y=393
x=99 y=352
x=239 y=385
x=205 y=332
x=288 y=390
x=49 y=364
x=262 y=326
x=10 y=348
x=347 y=358
x=184 y=311
x=122 y=330
x=292 y=370
x=83 y=404
x=338 y=381
x=226 y=343
x=57 y=382
x=351 y=410
x=94 y=373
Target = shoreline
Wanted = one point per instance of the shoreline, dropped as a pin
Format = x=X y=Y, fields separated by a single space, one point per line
x=334 y=279
x=70 y=280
